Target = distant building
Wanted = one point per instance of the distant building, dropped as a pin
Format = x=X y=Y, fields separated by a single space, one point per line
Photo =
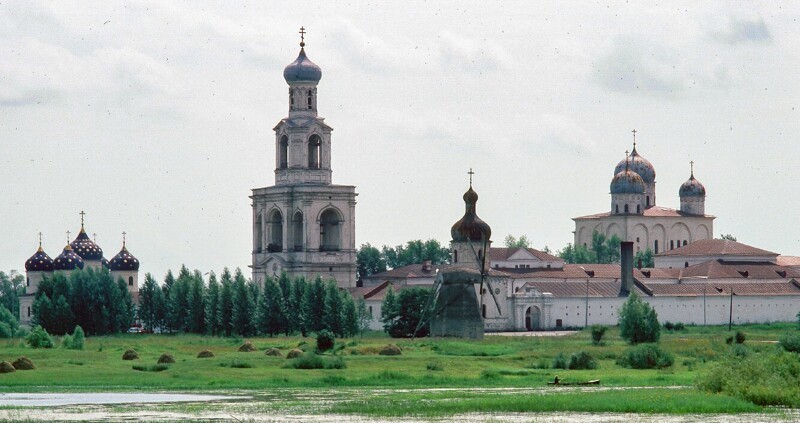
x=635 y=216
x=81 y=253
x=304 y=225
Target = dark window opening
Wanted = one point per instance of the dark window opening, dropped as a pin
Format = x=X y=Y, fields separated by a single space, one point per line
x=314 y=150
x=638 y=208
x=329 y=231
x=310 y=101
x=284 y=152
x=671 y=244
x=130 y=280
x=647 y=201
x=627 y=209
x=686 y=264
x=616 y=209
x=483 y=310
x=455 y=256
x=655 y=244
x=559 y=323
x=684 y=242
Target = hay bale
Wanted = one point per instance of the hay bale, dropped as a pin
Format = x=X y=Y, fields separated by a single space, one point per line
x=274 y=352
x=294 y=353
x=247 y=347
x=390 y=350
x=166 y=359
x=130 y=355
x=6 y=367
x=23 y=363
x=205 y=354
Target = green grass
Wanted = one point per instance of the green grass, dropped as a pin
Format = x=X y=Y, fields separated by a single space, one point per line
x=500 y=362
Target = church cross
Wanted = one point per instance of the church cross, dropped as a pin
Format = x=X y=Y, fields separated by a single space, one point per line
x=68 y=237
x=691 y=163
x=470 y=173
x=302 y=37
x=94 y=237
x=40 y=240
x=123 y=238
x=634 y=138
x=82 y=213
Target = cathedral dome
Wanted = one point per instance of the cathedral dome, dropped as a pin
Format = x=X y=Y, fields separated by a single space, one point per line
x=470 y=227
x=627 y=182
x=85 y=247
x=692 y=188
x=638 y=164
x=39 y=262
x=124 y=260
x=302 y=70
x=67 y=260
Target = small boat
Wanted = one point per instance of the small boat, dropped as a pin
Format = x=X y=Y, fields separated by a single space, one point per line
x=560 y=383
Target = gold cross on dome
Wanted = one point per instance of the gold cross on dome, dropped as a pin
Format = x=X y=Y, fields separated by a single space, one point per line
x=82 y=213
x=40 y=240
x=94 y=237
x=470 y=173
x=691 y=164
x=302 y=37
x=123 y=237
x=68 y=232
x=634 y=138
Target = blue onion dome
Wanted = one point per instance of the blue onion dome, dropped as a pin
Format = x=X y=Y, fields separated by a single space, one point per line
x=638 y=164
x=124 y=260
x=302 y=70
x=692 y=188
x=470 y=227
x=68 y=260
x=627 y=182
x=104 y=262
x=85 y=247
x=39 y=262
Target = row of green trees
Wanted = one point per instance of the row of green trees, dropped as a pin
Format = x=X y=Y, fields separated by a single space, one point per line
x=234 y=305
x=603 y=250
x=12 y=285
x=89 y=298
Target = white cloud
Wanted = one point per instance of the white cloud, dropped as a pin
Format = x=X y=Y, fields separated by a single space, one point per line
x=740 y=31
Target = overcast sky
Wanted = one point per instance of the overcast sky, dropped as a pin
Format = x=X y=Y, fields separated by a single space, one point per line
x=156 y=117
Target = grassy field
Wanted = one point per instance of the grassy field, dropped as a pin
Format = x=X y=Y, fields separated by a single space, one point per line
x=495 y=362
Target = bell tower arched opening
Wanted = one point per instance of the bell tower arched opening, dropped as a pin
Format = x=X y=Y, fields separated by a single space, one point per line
x=283 y=155
x=314 y=147
x=275 y=231
x=330 y=231
x=259 y=234
x=297 y=231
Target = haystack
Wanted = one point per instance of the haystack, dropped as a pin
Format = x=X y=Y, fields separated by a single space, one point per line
x=166 y=359
x=23 y=363
x=294 y=353
x=6 y=367
x=273 y=352
x=205 y=354
x=247 y=347
x=390 y=350
x=130 y=355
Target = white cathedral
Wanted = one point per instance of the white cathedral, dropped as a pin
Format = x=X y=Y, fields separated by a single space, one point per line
x=304 y=225
x=635 y=216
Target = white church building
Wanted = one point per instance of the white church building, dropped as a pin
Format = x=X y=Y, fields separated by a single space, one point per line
x=304 y=225
x=636 y=217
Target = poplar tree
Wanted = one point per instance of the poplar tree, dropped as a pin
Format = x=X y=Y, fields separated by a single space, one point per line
x=241 y=318
x=271 y=315
x=333 y=317
x=297 y=317
x=147 y=302
x=314 y=306
x=212 y=306
x=226 y=303
x=197 y=304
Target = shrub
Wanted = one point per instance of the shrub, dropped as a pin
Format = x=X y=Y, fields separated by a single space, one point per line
x=638 y=322
x=581 y=360
x=790 y=342
x=294 y=353
x=433 y=366
x=597 y=333
x=668 y=326
x=273 y=352
x=679 y=326
x=768 y=378
x=307 y=361
x=6 y=367
x=647 y=356
x=336 y=363
x=247 y=347
x=5 y=330
x=560 y=361
x=8 y=323
x=150 y=368
x=205 y=354
x=23 y=363
x=729 y=340
x=74 y=341
x=130 y=355
x=740 y=337
x=739 y=350
x=166 y=359
x=39 y=338
x=325 y=340
x=237 y=364
x=390 y=350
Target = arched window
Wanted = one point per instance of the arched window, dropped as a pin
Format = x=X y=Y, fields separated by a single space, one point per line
x=616 y=208
x=28 y=281
x=480 y=255
x=626 y=209
x=29 y=312
x=671 y=244
x=655 y=246
x=130 y=280
x=638 y=208
x=310 y=100
x=297 y=231
x=686 y=264
x=275 y=232
x=455 y=256
x=284 y=152
x=647 y=201
x=314 y=146
x=370 y=311
x=291 y=98
x=483 y=310
x=259 y=235
x=684 y=242
x=329 y=231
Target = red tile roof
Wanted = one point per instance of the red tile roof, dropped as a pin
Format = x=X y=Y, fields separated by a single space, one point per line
x=505 y=253
x=578 y=288
x=788 y=261
x=655 y=211
x=721 y=269
x=717 y=247
x=717 y=289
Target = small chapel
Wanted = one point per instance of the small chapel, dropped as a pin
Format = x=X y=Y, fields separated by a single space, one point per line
x=82 y=253
x=304 y=224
